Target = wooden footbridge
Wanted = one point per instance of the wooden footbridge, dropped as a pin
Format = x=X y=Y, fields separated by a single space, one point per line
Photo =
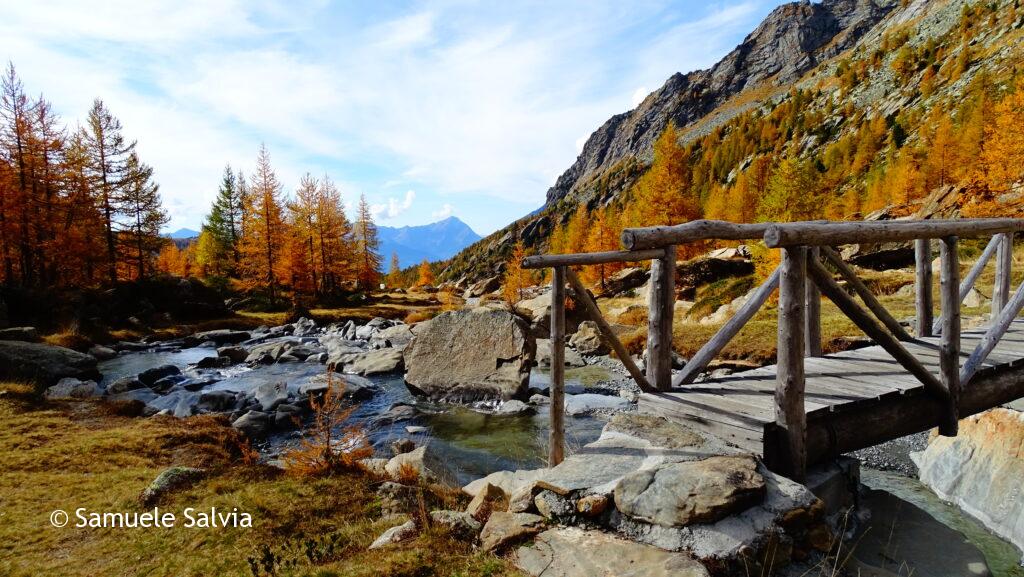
x=810 y=407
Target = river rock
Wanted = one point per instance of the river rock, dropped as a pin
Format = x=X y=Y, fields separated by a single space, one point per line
x=587 y=340
x=124 y=384
x=506 y=529
x=27 y=334
x=403 y=532
x=508 y=481
x=377 y=362
x=678 y=494
x=102 y=353
x=350 y=386
x=270 y=352
x=572 y=358
x=589 y=403
x=180 y=403
x=431 y=467
x=471 y=354
x=150 y=376
x=44 y=364
x=223 y=336
x=397 y=336
x=514 y=407
x=270 y=395
x=574 y=552
x=402 y=446
x=304 y=327
x=216 y=401
x=485 y=501
x=169 y=480
x=397 y=499
x=72 y=388
x=254 y=424
x=458 y=523
x=235 y=354
x=980 y=470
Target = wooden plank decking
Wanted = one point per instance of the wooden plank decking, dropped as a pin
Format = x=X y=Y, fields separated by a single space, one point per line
x=851 y=386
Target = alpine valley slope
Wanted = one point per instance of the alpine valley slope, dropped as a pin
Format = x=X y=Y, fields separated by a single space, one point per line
x=800 y=45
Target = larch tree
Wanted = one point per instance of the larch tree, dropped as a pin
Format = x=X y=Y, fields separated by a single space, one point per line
x=664 y=194
x=516 y=277
x=264 y=229
x=394 y=278
x=302 y=218
x=367 y=245
x=17 y=113
x=604 y=234
x=425 y=274
x=209 y=255
x=1003 y=156
x=108 y=160
x=333 y=237
x=143 y=216
x=792 y=193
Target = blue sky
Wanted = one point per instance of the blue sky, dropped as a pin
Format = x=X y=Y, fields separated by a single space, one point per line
x=428 y=108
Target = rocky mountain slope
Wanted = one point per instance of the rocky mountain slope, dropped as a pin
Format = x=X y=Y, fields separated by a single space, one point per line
x=841 y=53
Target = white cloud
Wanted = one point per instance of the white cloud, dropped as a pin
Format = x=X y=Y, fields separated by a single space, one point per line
x=394 y=207
x=444 y=212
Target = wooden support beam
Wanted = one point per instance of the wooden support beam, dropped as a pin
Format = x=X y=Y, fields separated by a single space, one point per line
x=556 y=434
x=857 y=428
x=949 y=346
x=923 y=287
x=661 y=307
x=873 y=330
x=657 y=236
x=1000 y=324
x=865 y=294
x=790 y=415
x=589 y=258
x=836 y=233
x=1004 y=262
x=729 y=330
x=972 y=277
x=812 y=340
x=606 y=331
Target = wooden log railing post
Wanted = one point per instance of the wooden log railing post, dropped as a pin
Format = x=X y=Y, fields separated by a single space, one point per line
x=1000 y=324
x=949 y=348
x=789 y=388
x=1004 y=262
x=660 y=305
x=923 y=287
x=813 y=315
x=556 y=436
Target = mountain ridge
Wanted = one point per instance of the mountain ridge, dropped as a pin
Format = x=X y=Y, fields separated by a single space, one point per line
x=436 y=241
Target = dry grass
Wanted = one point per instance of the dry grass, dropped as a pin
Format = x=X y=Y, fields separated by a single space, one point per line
x=69 y=455
x=420 y=316
x=69 y=339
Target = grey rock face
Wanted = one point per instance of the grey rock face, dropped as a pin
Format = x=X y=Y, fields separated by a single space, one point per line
x=270 y=395
x=471 y=354
x=44 y=364
x=574 y=552
x=377 y=362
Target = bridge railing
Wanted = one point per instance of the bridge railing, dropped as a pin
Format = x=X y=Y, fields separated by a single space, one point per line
x=801 y=279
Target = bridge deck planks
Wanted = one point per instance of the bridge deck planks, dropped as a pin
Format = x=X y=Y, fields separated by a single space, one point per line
x=739 y=407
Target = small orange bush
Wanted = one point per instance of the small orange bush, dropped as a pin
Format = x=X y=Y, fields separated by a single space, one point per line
x=327 y=445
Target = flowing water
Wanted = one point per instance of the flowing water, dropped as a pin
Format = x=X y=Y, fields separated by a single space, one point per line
x=474 y=443
x=1004 y=560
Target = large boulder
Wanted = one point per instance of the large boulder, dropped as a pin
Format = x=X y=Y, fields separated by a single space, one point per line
x=480 y=288
x=574 y=552
x=678 y=494
x=43 y=364
x=467 y=355
x=72 y=388
x=980 y=470
x=625 y=280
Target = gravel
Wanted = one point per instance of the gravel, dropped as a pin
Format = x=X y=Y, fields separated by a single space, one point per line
x=894 y=455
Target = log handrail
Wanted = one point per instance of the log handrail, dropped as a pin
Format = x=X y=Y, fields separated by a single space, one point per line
x=836 y=233
x=972 y=276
